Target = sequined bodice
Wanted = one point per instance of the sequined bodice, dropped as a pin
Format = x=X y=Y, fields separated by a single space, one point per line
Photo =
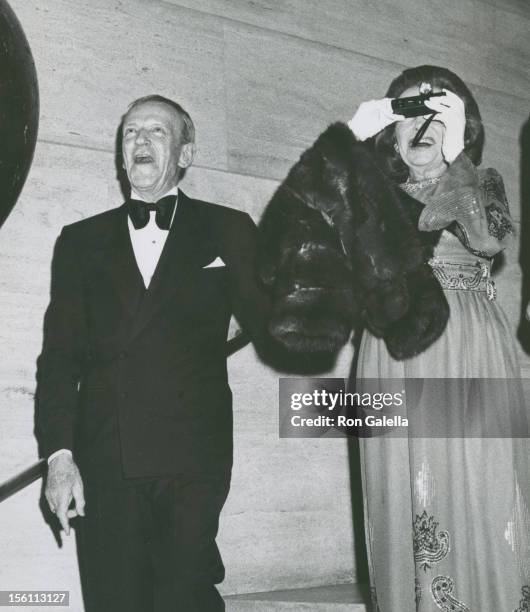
x=459 y=270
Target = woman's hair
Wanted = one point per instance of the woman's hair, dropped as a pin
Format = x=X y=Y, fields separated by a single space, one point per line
x=438 y=78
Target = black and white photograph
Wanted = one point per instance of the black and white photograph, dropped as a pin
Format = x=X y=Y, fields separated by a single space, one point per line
x=265 y=305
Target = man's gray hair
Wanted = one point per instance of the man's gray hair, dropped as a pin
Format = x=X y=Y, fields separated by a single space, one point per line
x=188 y=128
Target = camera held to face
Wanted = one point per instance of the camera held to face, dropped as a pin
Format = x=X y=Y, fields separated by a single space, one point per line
x=414 y=106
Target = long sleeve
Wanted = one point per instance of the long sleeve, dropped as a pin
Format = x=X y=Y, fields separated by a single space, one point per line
x=475 y=201
x=64 y=349
x=251 y=302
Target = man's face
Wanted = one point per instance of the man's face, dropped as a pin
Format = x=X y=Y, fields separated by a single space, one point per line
x=152 y=148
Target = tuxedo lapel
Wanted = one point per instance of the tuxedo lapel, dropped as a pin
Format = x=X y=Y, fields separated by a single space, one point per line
x=186 y=250
x=116 y=258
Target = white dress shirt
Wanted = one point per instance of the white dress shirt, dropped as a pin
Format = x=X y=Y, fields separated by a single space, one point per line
x=149 y=241
x=147 y=244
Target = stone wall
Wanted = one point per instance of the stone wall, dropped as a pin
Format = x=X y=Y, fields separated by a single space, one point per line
x=261 y=80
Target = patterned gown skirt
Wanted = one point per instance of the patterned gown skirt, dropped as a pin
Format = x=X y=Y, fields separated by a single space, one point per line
x=448 y=518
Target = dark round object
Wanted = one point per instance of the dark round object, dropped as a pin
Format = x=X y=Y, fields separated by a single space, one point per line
x=19 y=109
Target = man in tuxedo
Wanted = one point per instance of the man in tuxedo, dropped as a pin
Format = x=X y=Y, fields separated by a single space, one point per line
x=134 y=406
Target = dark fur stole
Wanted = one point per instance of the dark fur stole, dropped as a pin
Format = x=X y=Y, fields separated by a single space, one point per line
x=339 y=248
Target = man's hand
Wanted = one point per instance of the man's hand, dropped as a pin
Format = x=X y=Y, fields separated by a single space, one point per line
x=452 y=113
x=62 y=485
x=371 y=117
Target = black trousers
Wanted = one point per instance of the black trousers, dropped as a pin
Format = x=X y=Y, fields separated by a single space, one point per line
x=150 y=547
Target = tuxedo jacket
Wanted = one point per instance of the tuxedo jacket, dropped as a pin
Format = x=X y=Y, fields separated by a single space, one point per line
x=134 y=380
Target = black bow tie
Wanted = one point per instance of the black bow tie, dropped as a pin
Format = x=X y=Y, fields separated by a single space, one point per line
x=139 y=210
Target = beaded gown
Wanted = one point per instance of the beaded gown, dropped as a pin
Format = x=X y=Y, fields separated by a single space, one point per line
x=448 y=519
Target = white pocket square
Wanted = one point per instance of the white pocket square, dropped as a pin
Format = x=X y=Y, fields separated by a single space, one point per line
x=216 y=263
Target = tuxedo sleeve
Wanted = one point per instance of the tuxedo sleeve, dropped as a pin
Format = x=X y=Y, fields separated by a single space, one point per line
x=251 y=303
x=64 y=348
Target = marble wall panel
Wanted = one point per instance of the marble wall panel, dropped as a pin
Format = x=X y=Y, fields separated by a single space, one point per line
x=94 y=58
x=485 y=42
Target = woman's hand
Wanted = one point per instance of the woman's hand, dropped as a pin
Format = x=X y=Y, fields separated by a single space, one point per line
x=451 y=112
x=371 y=117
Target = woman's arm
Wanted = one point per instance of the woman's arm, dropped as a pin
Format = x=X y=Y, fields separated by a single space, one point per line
x=473 y=205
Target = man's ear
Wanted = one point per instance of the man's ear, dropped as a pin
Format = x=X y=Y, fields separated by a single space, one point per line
x=187 y=153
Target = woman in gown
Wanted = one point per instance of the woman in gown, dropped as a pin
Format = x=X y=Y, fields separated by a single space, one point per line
x=447 y=518
x=447 y=503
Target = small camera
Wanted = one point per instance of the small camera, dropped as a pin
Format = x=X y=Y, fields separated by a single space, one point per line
x=414 y=106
